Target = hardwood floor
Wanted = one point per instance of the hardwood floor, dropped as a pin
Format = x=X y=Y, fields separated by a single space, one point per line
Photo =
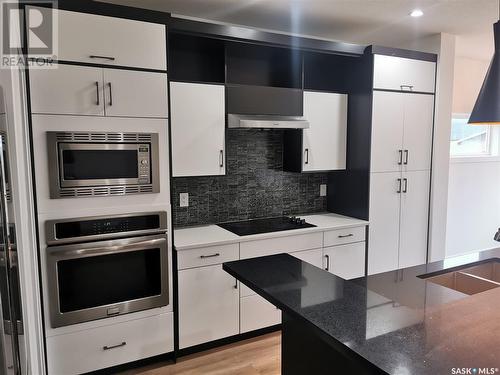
x=257 y=356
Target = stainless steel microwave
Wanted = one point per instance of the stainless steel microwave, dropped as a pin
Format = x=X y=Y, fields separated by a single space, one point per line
x=83 y=164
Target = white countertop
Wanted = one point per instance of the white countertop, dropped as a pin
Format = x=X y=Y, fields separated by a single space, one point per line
x=211 y=235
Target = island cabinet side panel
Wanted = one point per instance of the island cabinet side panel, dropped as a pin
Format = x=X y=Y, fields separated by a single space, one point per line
x=305 y=351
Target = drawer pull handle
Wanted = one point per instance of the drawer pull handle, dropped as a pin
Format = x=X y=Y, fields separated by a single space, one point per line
x=209 y=256
x=409 y=87
x=102 y=57
x=106 y=347
x=346 y=235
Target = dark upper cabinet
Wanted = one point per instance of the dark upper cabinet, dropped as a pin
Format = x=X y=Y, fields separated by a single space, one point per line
x=196 y=59
x=258 y=65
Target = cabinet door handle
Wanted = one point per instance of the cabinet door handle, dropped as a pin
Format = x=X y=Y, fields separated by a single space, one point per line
x=98 y=97
x=235 y=283
x=110 y=94
x=406 y=157
x=399 y=186
x=400 y=161
x=102 y=57
x=306 y=152
x=346 y=235
x=209 y=256
x=327 y=262
x=221 y=158
x=106 y=347
x=409 y=87
x=405 y=185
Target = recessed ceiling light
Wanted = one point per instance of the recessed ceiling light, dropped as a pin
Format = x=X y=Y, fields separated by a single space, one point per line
x=416 y=13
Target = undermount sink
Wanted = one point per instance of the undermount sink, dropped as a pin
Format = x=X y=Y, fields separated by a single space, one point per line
x=470 y=279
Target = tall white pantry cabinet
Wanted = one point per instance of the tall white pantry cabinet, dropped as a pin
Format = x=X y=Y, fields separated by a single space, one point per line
x=401 y=149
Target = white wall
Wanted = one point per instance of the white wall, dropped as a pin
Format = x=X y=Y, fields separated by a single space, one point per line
x=473 y=206
x=473 y=195
x=469 y=76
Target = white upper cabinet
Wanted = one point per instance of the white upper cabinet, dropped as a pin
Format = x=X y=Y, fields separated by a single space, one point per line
x=402 y=74
x=91 y=91
x=67 y=90
x=418 y=127
x=106 y=40
x=402 y=125
x=324 y=143
x=135 y=94
x=198 y=129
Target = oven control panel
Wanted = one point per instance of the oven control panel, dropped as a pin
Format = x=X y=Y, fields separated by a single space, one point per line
x=70 y=230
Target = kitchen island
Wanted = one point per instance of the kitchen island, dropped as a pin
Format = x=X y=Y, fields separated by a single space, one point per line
x=396 y=322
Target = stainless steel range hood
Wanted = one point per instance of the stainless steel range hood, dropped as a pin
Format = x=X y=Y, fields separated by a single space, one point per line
x=266 y=122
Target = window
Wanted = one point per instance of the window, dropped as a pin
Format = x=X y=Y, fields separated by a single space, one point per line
x=469 y=140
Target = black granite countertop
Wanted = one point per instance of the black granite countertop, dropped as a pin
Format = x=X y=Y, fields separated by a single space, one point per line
x=398 y=321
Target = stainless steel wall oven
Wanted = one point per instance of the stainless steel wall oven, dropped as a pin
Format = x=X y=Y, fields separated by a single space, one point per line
x=85 y=164
x=97 y=270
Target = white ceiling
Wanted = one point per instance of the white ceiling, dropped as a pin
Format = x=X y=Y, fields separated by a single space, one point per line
x=385 y=22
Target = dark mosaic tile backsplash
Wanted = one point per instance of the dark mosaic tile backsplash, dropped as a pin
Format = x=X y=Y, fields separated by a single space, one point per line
x=255 y=185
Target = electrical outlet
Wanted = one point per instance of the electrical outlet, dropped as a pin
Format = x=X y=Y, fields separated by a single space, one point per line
x=184 y=199
x=322 y=190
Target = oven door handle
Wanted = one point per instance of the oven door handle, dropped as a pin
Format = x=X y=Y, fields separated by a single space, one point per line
x=106 y=247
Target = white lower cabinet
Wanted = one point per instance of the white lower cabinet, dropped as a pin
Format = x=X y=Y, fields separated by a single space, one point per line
x=257 y=313
x=102 y=347
x=346 y=261
x=314 y=257
x=211 y=308
x=209 y=301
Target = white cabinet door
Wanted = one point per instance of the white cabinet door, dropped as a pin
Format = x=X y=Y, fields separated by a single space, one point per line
x=383 y=240
x=397 y=73
x=257 y=313
x=208 y=305
x=414 y=218
x=325 y=142
x=106 y=40
x=346 y=261
x=387 y=131
x=314 y=257
x=198 y=129
x=135 y=94
x=68 y=90
x=418 y=127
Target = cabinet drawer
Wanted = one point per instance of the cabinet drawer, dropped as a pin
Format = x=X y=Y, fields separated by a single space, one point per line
x=257 y=313
x=397 y=73
x=346 y=261
x=343 y=236
x=207 y=256
x=288 y=244
x=110 y=345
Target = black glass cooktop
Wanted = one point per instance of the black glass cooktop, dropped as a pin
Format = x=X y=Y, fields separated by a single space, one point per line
x=274 y=224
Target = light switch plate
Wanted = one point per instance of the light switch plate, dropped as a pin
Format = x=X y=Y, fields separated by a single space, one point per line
x=184 y=199
x=322 y=190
